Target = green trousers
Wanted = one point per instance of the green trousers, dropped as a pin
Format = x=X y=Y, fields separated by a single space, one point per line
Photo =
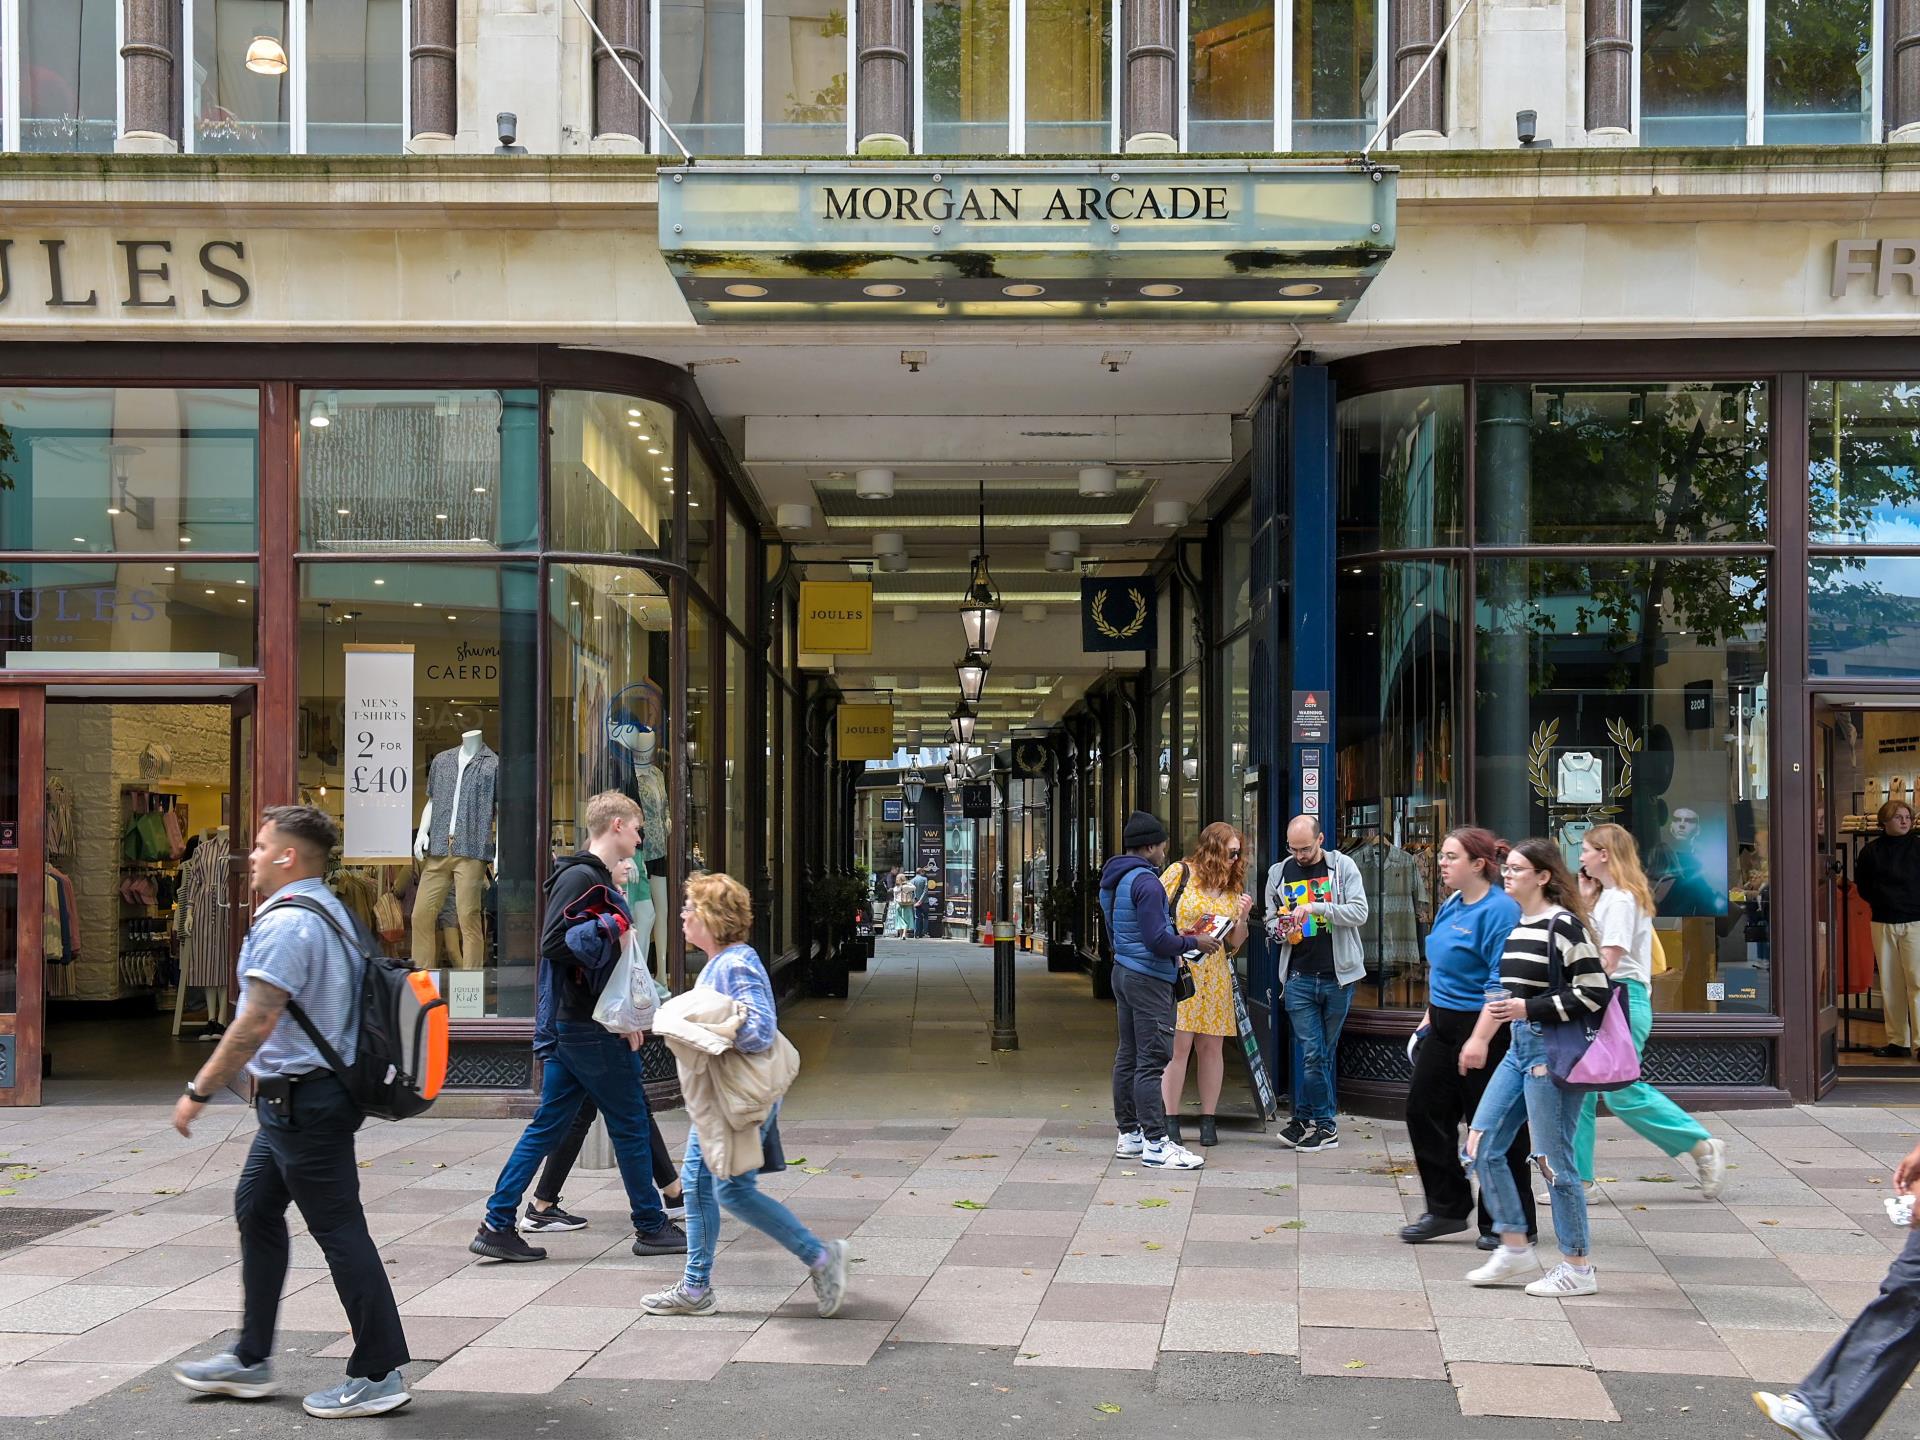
x=1644 y=1108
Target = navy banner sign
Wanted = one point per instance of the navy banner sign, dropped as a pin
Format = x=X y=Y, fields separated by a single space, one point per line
x=1119 y=614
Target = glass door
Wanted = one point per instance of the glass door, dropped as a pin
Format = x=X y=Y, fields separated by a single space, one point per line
x=24 y=893
x=1830 y=877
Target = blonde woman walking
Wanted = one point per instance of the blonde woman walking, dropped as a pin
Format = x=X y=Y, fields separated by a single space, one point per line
x=1616 y=888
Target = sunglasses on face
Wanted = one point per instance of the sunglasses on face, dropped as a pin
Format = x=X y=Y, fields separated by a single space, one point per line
x=1233 y=854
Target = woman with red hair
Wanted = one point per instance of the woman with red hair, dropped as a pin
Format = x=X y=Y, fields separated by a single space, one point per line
x=1209 y=884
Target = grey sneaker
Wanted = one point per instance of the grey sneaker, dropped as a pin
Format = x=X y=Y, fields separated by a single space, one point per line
x=355 y=1397
x=677 y=1299
x=225 y=1375
x=830 y=1280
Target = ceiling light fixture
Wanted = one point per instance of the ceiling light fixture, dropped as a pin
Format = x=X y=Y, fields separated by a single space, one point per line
x=1301 y=291
x=1161 y=290
x=266 y=56
x=883 y=292
x=1171 y=514
x=1061 y=563
x=793 y=517
x=873 y=484
x=972 y=670
x=889 y=542
x=1023 y=291
x=961 y=721
x=746 y=292
x=1033 y=614
x=1099 y=482
x=894 y=564
x=980 y=606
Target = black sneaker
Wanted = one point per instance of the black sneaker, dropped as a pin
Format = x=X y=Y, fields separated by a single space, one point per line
x=669 y=1239
x=551 y=1218
x=1296 y=1131
x=1319 y=1138
x=1893 y=1052
x=503 y=1245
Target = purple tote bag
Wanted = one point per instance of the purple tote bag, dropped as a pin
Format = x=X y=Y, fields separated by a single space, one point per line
x=1596 y=1053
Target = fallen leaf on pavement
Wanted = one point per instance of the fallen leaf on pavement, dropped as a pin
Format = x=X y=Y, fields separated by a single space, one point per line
x=1154 y=1202
x=968 y=1205
x=1354 y=1365
x=1107 y=1407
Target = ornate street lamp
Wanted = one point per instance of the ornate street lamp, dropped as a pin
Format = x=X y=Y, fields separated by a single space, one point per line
x=980 y=606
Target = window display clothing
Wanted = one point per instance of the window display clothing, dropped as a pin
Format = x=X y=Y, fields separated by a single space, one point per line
x=455 y=843
x=205 y=959
x=1579 y=779
x=467 y=880
x=1399 y=896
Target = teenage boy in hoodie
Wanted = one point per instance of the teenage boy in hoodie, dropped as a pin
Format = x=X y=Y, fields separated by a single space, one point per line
x=1146 y=948
x=586 y=921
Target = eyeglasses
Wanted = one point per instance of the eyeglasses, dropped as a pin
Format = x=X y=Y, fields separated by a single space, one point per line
x=1233 y=854
x=1517 y=870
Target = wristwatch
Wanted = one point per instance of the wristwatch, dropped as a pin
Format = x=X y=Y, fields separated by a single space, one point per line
x=195 y=1096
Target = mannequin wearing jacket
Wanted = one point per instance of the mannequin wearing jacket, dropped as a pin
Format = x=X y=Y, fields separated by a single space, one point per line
x=455 y=850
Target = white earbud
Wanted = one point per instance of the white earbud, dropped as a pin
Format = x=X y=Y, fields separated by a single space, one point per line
x=284 y=860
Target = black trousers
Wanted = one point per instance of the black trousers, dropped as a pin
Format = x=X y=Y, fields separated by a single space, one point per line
x=1859 y=1378
x=304 y=1156
x=553 y=1175
x=1440 y=1100
x=1145 y=1010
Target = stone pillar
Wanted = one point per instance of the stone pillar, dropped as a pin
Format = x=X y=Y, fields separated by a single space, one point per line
x=1609 y=71
x=883 y=111
x=150 y=56
x=1416 y=27
x=431 y=74
x=617 y=111
x=1150 y=106
x=1903 y=93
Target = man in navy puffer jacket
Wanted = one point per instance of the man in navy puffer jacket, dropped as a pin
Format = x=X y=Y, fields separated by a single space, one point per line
x=1146 y=954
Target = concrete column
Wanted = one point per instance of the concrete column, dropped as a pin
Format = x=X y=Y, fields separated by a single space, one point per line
x=149 y=55
x=1903 y=93
x=617 y=111
x=435 y=104
x=1150 y=104
x=1609 y=72
x=1416 y=27
x=883 y=111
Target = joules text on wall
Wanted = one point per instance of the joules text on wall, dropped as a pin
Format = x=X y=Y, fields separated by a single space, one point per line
x=147 y=274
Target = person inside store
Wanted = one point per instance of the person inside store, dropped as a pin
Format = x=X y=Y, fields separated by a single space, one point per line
x=544 y=1212
x=1207 y=887
x=587 y=920
x=756 y=1064
x=1147 y=954
x=1887 y=875
x=1550 y=974
x=303 y=1151
x=1453 y=1050
x=1316 y=906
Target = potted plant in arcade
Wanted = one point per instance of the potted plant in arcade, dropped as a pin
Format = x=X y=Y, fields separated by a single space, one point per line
x=1063 y=914
x=833 y=912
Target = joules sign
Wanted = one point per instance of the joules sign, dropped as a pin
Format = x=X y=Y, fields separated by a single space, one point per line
x=143 y=274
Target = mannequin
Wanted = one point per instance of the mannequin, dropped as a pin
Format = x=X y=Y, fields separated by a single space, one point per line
x=206 y=961
x=648 y=785
x=462 y=787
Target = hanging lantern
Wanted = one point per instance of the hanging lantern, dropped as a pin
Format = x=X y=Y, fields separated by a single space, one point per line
x=980 y=606
x=913 y=787
x=960 y=723
x=972 y=669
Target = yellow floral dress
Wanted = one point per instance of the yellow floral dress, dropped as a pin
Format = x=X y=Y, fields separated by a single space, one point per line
x=1210 y=1011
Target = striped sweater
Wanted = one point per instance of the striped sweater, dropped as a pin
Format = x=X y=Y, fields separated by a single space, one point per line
x=1584 y=985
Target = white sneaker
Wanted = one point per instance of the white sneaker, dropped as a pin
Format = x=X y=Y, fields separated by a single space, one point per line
x=1129 y=1145
x=1504 y=1265
x=1167 y=1155
x=1710 y=1156
x=1563 y=1280
x=1593 y=1191
x=1791 y=1414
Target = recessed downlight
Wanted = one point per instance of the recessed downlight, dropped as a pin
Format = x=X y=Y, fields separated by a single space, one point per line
x=883 y=292
x=746 y=292
x=1300 y=291
x=1023 y=291
x=1161 y=290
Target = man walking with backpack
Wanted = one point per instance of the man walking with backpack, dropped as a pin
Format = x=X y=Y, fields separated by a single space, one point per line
x=303 y=1153
x=586 y=924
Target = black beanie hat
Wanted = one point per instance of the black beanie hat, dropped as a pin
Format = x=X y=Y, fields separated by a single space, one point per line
x=1141 y=831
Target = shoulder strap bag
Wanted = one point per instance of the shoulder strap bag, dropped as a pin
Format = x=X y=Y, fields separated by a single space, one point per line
x=1590 y=1053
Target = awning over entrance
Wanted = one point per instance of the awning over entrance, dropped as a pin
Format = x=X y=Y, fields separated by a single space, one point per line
x=1113 y=239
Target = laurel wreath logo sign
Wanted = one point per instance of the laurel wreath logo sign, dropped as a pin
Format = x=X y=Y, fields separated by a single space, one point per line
x=1120 y=632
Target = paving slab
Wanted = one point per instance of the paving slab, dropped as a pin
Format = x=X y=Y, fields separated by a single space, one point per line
x=1371 y=1354
x=1522 y=1391
x=503 y=1372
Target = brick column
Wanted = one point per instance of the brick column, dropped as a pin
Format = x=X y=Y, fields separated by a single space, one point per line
x=1415 y=28
x=432 y=73
x=617 y=111
x=1150 y=106
x=1609 y=71
x=883 y=109
x=1903 y=90
x=149 y=55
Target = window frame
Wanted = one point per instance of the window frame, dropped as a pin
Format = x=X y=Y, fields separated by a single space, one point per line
x=13 y=83
x=754 y=79
x=1017 y=77
x=1283 y=16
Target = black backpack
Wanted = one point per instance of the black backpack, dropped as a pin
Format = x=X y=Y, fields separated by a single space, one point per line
x=400 y=1062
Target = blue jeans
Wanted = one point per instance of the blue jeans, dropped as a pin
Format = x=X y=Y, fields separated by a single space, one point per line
x=1317 y=1007
x=1521 y=1092
x=589 y=1062
x=706 y=1193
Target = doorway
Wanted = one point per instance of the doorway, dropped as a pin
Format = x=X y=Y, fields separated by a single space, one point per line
x=134 y=811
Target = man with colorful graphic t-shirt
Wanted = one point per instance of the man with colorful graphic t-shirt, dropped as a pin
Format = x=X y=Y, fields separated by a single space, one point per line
x=1300 y=884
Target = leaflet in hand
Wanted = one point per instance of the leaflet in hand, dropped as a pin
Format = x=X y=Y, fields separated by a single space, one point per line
x=1217 y=926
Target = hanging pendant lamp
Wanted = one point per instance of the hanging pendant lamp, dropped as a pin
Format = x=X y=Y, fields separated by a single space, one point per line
x=980 y=606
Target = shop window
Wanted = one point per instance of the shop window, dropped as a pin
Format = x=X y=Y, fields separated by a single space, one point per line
x=704 y=518
x=1813 y=85
x=610 y=675
x=781 y=859
x=1655 y=462
x=739 y=577
x=241 y=93
x=1238 y=678
x=1864 y=615
x=804 y=52
x=700 y=74
x=611 y=474
x=356 y=75
x=419 y=469
x=450 y=876
x=1401 y=463
x=9 y=948
x=736 y=804
x=702 y=731
x=1192 y=822
x=1229 y=75
x=1167 y=761
x=1400 y=715
x=1236 y=562
x=69 y=60
x=965 y=76
x=78 y=615
x=1069 y=79
x=1863 y=461
x=140 y=470
x=1634 y=692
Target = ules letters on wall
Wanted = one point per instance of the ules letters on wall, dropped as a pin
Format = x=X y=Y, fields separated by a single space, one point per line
x=147 y=274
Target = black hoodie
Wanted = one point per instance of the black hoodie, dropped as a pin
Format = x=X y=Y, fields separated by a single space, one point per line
x=570 y=898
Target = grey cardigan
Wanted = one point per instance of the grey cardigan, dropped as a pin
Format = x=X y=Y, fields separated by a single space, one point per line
x=1344 y=914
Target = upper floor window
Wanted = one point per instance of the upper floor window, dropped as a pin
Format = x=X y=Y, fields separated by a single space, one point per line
x=1312 y=85
x=61 y=81
x=279 y=77
x=755 y=77
x=1758 y=72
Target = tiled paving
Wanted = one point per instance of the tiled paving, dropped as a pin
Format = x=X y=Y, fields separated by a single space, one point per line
x=984 y=1210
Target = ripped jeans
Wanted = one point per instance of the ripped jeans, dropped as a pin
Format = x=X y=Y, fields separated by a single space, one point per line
x=1522 y=1092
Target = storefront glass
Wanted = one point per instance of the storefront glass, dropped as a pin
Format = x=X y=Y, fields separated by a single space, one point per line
x=139 y=469
x=702 y=737
x=1238 y=678
x=1336 y=77
x=1819 y=72
x=963 y=76
x=734 y=796
x=1401 y=463
x=804 y=65
x=356 y=69
x=1069 y=89
x=238 y=109
x=83 y=616
x=1864 y=615
x=457 y=895
x=1190 y=761
x=1229 y=75
x=401 y=470
x=702 y=74
x=704 y=516
x=610 y=460
x=1648 y=462
x=1863 y=462
x=67 y=65
x=1236 y=562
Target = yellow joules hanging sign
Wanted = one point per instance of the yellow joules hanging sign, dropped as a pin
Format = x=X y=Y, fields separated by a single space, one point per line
x=836 y=617
x=865 y=732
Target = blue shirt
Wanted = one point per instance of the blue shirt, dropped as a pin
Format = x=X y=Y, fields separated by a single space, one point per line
x=737 y=973
x=300 y=953
x=1464 y=949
